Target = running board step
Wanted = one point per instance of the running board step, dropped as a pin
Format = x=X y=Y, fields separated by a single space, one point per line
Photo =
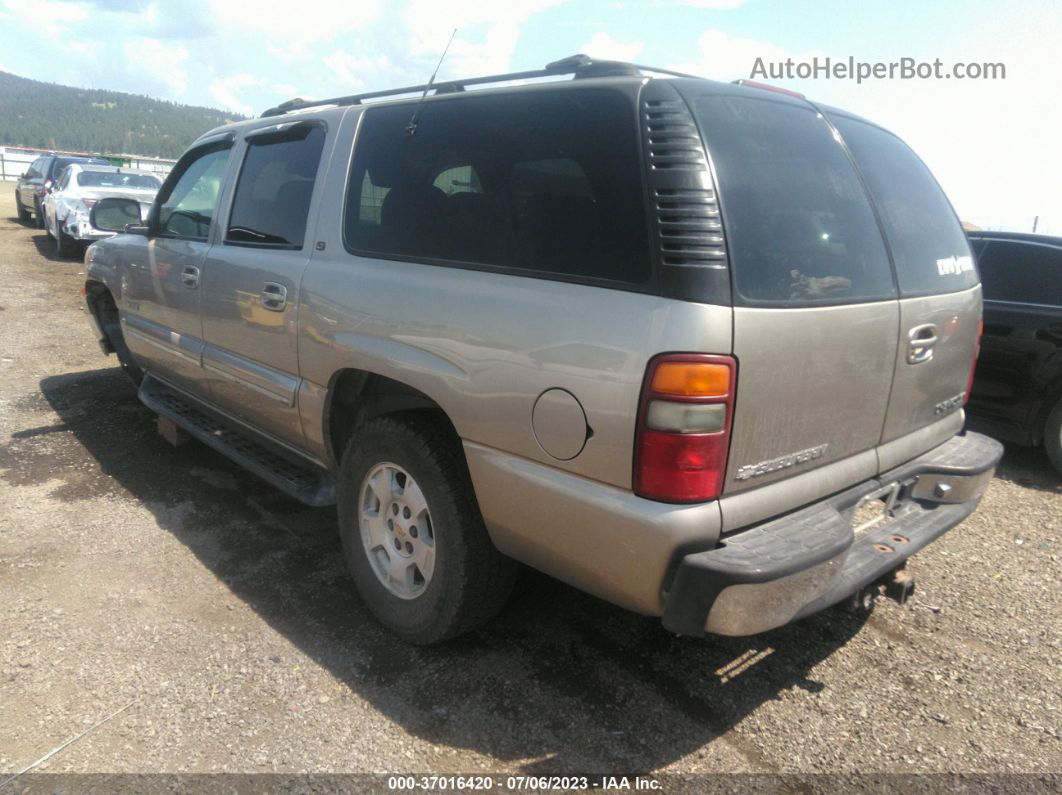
x=270 y=461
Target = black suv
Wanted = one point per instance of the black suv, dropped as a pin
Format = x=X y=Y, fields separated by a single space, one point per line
x=39 y=178
x=1017 y=388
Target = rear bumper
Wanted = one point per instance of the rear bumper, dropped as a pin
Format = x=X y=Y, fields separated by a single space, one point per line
x=797 y=564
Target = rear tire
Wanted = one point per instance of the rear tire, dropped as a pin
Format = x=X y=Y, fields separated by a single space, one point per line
x=414 y=460
x=1053 y=436
x=65 y=245
x=23 y=213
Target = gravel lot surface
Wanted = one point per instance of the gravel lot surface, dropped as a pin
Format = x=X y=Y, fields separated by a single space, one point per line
x=134 y=573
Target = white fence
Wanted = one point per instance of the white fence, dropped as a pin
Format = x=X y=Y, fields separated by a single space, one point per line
x=14 y=160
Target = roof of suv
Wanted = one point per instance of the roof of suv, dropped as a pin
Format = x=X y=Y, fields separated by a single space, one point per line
x=581 y=68
x=1024 y=237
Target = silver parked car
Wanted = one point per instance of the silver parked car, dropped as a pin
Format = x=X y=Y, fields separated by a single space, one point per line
x=700 y=349
x=79 y=187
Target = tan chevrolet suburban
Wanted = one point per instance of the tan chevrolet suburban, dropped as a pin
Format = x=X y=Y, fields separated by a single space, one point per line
x=698 y=348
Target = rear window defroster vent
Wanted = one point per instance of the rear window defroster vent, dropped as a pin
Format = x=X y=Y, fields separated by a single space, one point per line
x=689 y=243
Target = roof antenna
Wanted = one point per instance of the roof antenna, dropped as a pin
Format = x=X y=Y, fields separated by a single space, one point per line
x=411 y=128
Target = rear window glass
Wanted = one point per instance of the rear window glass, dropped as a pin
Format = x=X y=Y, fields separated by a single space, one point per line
x=799 y=226
x=1024 y=273
x=106 y=179
x=929 y=247
x=545 y=182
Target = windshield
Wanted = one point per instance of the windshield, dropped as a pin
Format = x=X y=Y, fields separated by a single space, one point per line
x=114 y=179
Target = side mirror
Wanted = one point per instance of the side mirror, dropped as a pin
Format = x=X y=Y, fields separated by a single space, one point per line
x=115 y=214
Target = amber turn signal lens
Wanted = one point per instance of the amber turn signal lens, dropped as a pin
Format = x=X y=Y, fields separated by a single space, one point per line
x=691 y=379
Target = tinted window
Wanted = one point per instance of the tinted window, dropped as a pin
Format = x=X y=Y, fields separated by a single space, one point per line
x=459 y=179
x=188 y=208
x=1021 y=272
x=546 y=181
x=109 y=179
x=33 y=172
x=274 y=189
x=799 y=227
x=928 y=245
x=59 y=163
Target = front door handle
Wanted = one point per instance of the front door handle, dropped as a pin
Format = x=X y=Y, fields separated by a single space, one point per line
x=190 y=277
x=274 y=296
x=920 y=342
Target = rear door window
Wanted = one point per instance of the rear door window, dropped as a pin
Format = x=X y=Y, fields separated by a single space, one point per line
x=273 y=192
x=545 y=182
x=1024 y=273
x=928 y=245
x=799 y=226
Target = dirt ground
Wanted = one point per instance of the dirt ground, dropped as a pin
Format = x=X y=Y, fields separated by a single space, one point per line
x=218 y=611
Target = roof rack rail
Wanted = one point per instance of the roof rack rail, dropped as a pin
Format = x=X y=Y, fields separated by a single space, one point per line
x=577 y=65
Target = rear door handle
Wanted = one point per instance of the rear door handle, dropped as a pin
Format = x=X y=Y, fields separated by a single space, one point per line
x=920 y=342
x=274 y=296
x=190 y=277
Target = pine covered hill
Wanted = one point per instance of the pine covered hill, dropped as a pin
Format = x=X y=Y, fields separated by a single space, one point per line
x=50 y=116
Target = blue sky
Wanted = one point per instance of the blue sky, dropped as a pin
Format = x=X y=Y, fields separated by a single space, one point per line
x=993 y=144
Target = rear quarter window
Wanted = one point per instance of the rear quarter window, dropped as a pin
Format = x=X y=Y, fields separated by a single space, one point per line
x=799 y=226
x=928 y=245
x=546 y=183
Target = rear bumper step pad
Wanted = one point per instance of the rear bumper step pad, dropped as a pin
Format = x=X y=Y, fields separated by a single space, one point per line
x=797 y=564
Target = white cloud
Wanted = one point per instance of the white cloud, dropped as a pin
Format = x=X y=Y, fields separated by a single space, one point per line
x=224 y=91
x=50 y=17
x=992 y=144
x=714 y=5
x=287 y=89
x=430 y=23
x=603 y=47
x=163 y=61
x=725 y=57
x=293 y=28
x=351 y=69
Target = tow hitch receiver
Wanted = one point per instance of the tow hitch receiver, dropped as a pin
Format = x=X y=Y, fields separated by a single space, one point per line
x=899 y=586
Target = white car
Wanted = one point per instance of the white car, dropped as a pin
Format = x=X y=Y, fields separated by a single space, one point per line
x=67 y=207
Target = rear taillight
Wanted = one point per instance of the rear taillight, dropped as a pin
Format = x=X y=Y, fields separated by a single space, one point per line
x=683 y=430
x=973 y=365
x=48 y=185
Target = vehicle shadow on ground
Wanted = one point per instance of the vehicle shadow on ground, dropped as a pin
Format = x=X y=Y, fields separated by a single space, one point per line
x=560 y=678
x=1029 y=467
x=46 y=248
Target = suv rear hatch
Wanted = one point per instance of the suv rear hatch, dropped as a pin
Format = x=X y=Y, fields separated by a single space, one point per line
x=855 y=303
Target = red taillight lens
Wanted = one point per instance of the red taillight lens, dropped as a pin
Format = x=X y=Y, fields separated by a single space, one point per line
x=684 y=394
x=973 y=365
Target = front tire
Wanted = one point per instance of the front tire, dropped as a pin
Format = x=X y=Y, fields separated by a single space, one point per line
x=412 y=533
x=1053 y=436
x=38 y=213
x=125 y=356
x=23 y=213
